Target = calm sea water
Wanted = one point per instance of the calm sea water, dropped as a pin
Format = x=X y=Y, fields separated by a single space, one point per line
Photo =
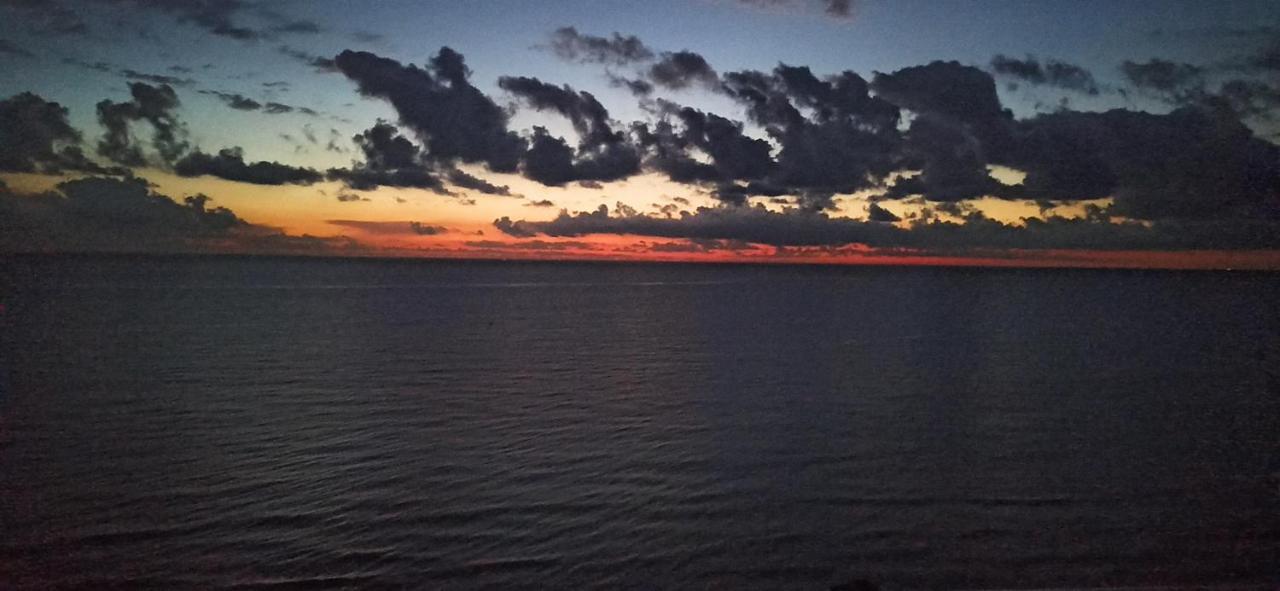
x=282 y=423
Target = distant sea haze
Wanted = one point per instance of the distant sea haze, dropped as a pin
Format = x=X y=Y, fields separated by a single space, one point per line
x=273 y=423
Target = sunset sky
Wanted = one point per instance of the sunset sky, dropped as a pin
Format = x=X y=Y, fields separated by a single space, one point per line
x=1089 y=133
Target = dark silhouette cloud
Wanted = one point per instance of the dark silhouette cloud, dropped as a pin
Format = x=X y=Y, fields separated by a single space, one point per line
x=961 y=92
x=1218 y=168
x=393 y=228
x=1162 y=76
x=459 y=178
x=452 y=118
x=156 y=78
x=384 y=148
x=758 y=225
x=124 y=215
x=390 y=159
x=682 y=69
x=35 y=136
x=317 y=63
x=235 y=100
x=837 y=9
x=540 y=203
x=240 y=102
x=422 y=229
x=842 y=141
x=108 y=214
x=155 y=105
x=1050 y=73
x=229 y=164
x=636 y=86
x=568 y=44
x=367 y=179
x=590 y=119
x=603 y=153
x=875 y=213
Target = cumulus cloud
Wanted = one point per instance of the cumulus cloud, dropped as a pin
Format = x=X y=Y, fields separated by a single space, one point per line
x=156 y=105
x=124 y=215
x=797 y=228
x=390 y=160
x=229 y=164
x=570 y=45
x=837 y=9
x=450 y=116
x=1162 y=76
x=603 y=153
x=1051 y=73
x=682 y=69
x=36 y=136
x=460 y=178
x=234 y=100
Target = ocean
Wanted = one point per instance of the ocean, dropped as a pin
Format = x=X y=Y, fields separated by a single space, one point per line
x=282 y=423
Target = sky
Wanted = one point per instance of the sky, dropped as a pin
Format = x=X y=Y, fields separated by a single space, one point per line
x=1083 y=133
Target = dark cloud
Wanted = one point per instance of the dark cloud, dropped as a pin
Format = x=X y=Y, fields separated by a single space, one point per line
x=394 y=228
x=682 y=69
x=350 y=197
x=590 y=119
x=452 y=118
x=422 y=229
x=960 y=92
x=834 y=137
x=837 y=9
x=300 y=27
x=35 y=136
x=95 y=66
x=1162 y=76
x=318 y=63
x=1250 y=98
x=215 y=16
x=155 y=105
x=130 y=74
x=603 y=153
x=390 y=159
x=1051 y=73
x=732 y=154
x=11 y=48
x=124 y=215
x=552 y=162
x=797 y=228
x=540 y=203
x=384 y=148
x=47 y=15
x=1218 y=169
x=534 y=245
x=459 y=178
x=568 y=44
x=636 y=86
x=367 y=179
x=235 y=100
x=243 y=103
x=108 y=214
x=875 y=213
x=229 y=164
x=156 y=78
